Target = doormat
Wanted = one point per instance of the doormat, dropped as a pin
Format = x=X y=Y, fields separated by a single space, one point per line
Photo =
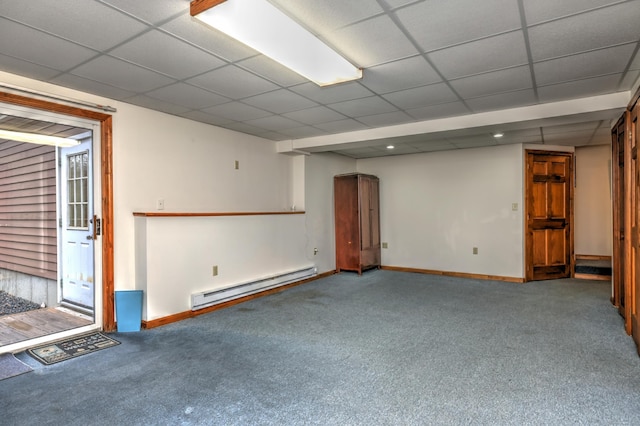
x=10 y=366
x=74 y=347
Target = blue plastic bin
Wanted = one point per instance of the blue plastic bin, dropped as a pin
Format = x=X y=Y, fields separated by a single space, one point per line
x=129 y=310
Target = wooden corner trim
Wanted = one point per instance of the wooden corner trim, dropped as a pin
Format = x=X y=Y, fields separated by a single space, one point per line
x=158 y=322
x=455 y=274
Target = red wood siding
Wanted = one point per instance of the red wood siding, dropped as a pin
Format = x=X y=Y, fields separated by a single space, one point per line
x=28 y=209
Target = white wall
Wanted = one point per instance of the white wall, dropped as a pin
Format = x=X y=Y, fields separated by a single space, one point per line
x=191 y=166
x=592 y=198
x=175 y=255
x=436 y=207
x=320 y=169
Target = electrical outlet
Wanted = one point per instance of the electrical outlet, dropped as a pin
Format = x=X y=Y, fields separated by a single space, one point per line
x=236 y=165
x=475 y=250
x=385 y=245
x=215 y=270
x=514 y=207
x=160 y=204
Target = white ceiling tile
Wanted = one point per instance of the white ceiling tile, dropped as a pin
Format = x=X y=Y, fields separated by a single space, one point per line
x=121 y=74
x=365 y=106
x=584 y=65
x=205 y=118
x=327 y=15
x=544 y=10
x=243 y=128
x=315 y=115
x=205 y=37
x=422 y=96
x=280 y=101
x=473 y=143
x=179 y=59
x=339 y=126
x=332 y=94
x=582 y=137
x=393 y=4
x=437 y=24
x=273 y=122
x=588 y=127
x=399 y=149
x=635 y=65
x=88 y=23
x=494 y=53
x=188 y=96
x=237 y=111
x=274 y=136
x=363 y=46
x=399 y=75
x=92 y=86
x=302 y=132
x=432 y=145
x=31 y=45
x=585 y=32
x=438 y=111
x=579 y=88
x=387 y=119
x=232 y=82
x=504 y=100
x=161 y=10
x=629 y=80
x=155 y=104
x=25 y=68
x=493 y=82
x=271 y=70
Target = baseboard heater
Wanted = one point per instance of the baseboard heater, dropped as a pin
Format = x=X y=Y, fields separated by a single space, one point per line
x=214 y=297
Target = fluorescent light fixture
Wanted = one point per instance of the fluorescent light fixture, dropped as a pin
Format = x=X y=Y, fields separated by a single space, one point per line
x=498 y=135
x=263 y=27
x=38 y=139
x=390 y=146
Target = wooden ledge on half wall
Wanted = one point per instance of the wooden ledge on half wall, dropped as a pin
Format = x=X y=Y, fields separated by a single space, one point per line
x=213 y=214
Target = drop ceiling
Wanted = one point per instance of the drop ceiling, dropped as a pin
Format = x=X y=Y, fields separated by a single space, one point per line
x=425 y=62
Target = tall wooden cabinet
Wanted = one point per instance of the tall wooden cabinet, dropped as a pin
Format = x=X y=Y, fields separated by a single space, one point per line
x=357 y=222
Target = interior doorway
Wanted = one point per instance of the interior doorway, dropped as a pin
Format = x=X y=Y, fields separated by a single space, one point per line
x=548 y=215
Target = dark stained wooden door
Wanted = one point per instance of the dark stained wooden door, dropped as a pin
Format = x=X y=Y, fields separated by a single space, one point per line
x=549 y=236
x=633 y=294
x=621 y=244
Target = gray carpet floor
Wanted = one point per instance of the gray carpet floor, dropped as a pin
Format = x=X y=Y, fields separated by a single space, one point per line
x=386 y=348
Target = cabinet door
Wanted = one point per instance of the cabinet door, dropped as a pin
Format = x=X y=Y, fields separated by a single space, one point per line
x=346 y=222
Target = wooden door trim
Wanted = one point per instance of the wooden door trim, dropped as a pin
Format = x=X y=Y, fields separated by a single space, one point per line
x=618 y=205
x=106 y=179
x=528 y=242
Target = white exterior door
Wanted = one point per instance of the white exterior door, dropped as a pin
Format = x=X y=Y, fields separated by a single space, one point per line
x=79 y=226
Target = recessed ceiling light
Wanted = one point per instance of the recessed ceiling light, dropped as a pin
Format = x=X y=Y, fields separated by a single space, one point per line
x=498 y=135
x=390 y=146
